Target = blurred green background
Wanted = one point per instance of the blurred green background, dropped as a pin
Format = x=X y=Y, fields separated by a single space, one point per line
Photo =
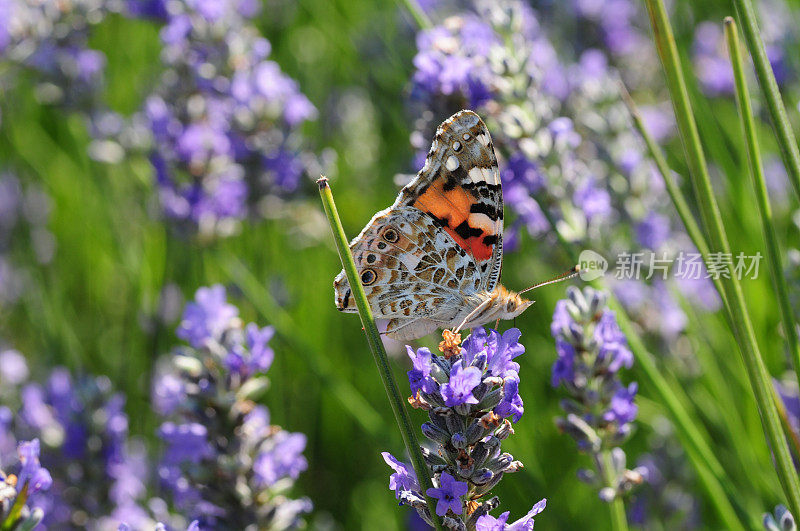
x=94 y=307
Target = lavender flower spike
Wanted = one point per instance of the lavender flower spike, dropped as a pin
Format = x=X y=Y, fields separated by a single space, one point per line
x=470 y=391
x=592 y=350
x=14 y=490
x=216 y=435
x=90 y=469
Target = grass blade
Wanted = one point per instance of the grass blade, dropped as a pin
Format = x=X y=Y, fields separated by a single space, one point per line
x=769 y=87
x=762 y=196
x=712 y=224
x=376 y=346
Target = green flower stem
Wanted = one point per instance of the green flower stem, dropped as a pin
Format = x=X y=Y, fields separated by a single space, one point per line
x=420 y=17
x=769 y=87
x=712 y=223
x=762 y=197
x=619 y=520
x=378 y=352
x=673 y=400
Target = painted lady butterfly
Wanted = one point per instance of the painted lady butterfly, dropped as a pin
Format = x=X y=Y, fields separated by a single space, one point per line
x=433 y=258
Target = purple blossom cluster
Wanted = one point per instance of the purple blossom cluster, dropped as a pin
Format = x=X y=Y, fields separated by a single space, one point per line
x=618 y=24
x=96 y=474
x=224 y=119
x=16 y=490
x=591 y=352
x=50 y=39
x=215 y=435
x=470 y=391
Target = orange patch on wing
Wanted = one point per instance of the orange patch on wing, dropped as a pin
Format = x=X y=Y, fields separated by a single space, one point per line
x=453 y=207
x=474 y=244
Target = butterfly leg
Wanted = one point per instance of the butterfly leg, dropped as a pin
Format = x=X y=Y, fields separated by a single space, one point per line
x=482 y=306
x=407 y=329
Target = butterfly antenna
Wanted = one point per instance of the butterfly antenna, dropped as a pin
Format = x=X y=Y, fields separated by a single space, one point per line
x=573 y=272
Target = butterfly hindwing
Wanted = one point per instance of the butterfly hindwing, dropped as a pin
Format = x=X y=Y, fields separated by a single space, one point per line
x=409 y=266
x=459 y=187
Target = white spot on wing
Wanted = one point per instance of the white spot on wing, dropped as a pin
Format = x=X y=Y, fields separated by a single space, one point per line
x=483 y=139
x=488 y=175
x=481 y=221
x=452 y=163
x=410 y=260
x=475 y=175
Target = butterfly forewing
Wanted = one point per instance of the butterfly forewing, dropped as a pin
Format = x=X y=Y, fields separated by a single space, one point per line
x=459 y=187
x=440 y=242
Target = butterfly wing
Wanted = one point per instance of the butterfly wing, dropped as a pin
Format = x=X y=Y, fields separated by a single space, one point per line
x=459 y=187
x=411 y=270
x=440 y=240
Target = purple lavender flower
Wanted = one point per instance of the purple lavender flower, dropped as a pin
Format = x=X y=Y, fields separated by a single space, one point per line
x=257 y=339
x=600 y=409
x=469 y=390
x=780 y=520
x=419 y=376
x=458 y=390
x=595 y=202
x=404 y=477
x=653 y=230
x=214 y=429
x=32 y=479
x=83 y=431
x=448 y=494
x=281 y=458
x=32 y=475
x=490 y=523
x=224 y=120
x=185 y=442
x=52 y=42
x=207 y=318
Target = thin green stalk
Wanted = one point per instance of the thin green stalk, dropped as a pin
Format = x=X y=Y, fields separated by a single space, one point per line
x=762 y=196
x=419 y=15
x=619 y=520
x=378 y=352
x=769 y=87
x=712 y=224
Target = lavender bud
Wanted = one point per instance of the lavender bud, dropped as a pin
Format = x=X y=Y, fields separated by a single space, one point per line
x=435 y=433
x=458 y=440
x=474 y=433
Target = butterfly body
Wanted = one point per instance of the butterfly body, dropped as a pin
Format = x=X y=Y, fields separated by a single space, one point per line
x=433 y=258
